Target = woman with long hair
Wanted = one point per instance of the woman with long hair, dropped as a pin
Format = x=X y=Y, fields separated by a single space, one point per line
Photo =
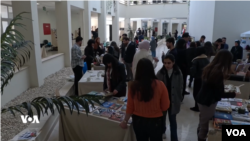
x=98 y=50
x=209 y=49
x=89 y=52
x=198 y=64
x=212 y=89
x=115 y=76
x=147 y=100
x=114 y=50
x=182 y=62
x=171 y=76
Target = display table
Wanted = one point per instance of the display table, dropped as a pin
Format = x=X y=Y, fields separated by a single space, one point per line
x=92 y=128
x=91 y=82
x=101 y=67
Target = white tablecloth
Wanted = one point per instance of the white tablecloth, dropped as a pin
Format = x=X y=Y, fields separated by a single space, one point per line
x=95 y=82
x=92 y=128
x=101 y=67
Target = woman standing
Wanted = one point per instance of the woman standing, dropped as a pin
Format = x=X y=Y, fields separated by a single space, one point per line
x=198 y=63
x=147 y=99
x=115 y=51
x=209 y=49
x=143 y=52
x=89 y=53
x=171 y=76
x=115 y=76
x=97 y=47
x=212 y=89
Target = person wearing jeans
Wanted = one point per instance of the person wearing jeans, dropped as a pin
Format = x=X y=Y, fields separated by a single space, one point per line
x=77 y=62
x=171 y=76
x=147 y=99
x=153 y=46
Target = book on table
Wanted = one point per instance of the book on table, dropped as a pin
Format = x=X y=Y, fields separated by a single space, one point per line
x=124 y=107
x=224 y=106
x=99 y=110
x=236 y=122
x=107 y=104
x=241 y=117
x=118 y=116
x=222 y=115
x=115 y=106
x=107 y=113
x=219 y=122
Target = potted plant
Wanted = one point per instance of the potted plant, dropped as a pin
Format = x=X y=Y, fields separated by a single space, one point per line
x=130 y=32
x=164 y=1
x=159 y=1
x=144 y=2
x=154 y=1
x=15 y=52
x=135 y=2
x=149 y=29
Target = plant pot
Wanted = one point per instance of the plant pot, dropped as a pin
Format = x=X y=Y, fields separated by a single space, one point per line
x=154 y=1
x=135 y=2
x=164 y=1
x=144 y=2
x=159 y=1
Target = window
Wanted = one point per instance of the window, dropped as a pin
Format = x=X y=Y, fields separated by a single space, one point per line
x=4 y=11
x=10 y=12
x=5 y=24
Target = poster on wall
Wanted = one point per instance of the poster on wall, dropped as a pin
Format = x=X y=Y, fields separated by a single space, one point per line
x=46 y=29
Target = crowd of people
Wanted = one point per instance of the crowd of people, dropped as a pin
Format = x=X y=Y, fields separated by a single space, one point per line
x=151 y=96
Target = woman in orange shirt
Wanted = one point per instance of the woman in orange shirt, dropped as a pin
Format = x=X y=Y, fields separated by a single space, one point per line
x=147 y=100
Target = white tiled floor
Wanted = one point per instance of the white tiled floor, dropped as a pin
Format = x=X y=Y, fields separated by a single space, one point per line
x=187 y=120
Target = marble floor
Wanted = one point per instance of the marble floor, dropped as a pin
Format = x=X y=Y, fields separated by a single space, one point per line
x=187 y=120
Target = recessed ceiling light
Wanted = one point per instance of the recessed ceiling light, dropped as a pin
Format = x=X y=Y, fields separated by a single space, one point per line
x=37 y=3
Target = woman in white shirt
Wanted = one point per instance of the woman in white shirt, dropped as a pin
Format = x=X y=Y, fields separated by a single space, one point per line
x=143 y=52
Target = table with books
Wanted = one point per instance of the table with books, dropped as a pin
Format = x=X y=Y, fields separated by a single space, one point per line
x=92 y=80
x=232 y=111
x=102 y=123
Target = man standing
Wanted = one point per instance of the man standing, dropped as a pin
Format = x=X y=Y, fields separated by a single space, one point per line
x=77 y=62
x=129 y=53
x=172 y=50
x=153 y=46
x=122 y=46
x=217 y=45
x=224 y=45
x=202 y=40
x=237 y=51
x=186 y=37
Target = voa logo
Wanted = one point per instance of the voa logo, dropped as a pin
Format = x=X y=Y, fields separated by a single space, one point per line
x=33 y=119
x=236 y=132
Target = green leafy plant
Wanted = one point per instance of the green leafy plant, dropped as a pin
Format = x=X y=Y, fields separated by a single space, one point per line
x=43 y=104
x=15 y=50
x=149 y=29
x=130 y=32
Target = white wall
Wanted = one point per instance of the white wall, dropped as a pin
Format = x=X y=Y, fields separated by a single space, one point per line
x=232 y=20
x=122 y=10
x=48 y=66
x=94 y=22
x=46 y=17
x=18 y=84
x=95 y=4
x=79 y=4
x=157 y=11
x=49 y=17
x=201 y=19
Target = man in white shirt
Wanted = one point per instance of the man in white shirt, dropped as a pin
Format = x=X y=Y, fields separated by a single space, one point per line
x=77 y=62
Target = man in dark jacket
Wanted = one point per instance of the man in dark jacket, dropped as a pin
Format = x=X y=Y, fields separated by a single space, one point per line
x=224 y=44
x=237 y=51
x=172 y=50
x=122 y=46
x=129 y=52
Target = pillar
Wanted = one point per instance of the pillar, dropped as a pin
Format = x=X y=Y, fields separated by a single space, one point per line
x=159 y=28
x=87 y=23
x=31 y=33
x=115 y=24
x=63 y=25
x=170 y=27
x=179 y=28
x=102 y=22
x=150 y=24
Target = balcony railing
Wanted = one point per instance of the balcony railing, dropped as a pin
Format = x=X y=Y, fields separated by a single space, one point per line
x=142 y=2
x=123 y=2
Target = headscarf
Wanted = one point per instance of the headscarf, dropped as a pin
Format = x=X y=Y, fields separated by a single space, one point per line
x=144 y=45
x=152 y=38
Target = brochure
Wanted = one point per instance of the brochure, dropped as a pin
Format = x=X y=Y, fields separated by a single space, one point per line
x=107 y=104
x=118 y=116
x=222 y=115
x=98 y=111
x=235 y=122
x=124 y=107
x=107 y=113
x=219 y=122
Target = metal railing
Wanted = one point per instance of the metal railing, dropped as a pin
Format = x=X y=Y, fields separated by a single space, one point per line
x=123 y=2
x=142 y=2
